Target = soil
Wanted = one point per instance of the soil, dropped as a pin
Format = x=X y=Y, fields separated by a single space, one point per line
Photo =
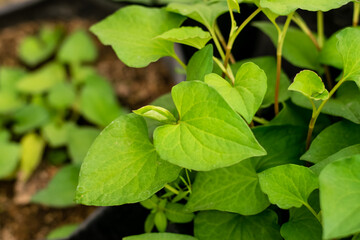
x=20 y=220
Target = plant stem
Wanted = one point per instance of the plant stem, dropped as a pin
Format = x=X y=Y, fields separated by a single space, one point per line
x=304 y=27
x=234 y=35
x=171 y=189
x=318 y=111
x=183 y=65
x=262 y=121
x=223 y=42
x=229 y=74
x=281 y=38
x=320 y=28
x=313 y=212
x=217 y=44
x=356 y=14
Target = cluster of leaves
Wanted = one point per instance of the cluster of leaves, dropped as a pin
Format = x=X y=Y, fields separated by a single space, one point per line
x=52 y=112
x=197 y=154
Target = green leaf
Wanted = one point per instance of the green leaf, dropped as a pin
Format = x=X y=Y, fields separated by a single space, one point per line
x=79 y=141
x=268 y=64
x=98 y=103
x=345 y=104
x=329 y=54
x=340 y=197
x=32 y=148
x=234 y=5
x=156 y=113
x=9 y=76
x=160 y=221
x=350 y=49
x=34 y=50
x=4 y=135
x=288 y=185
x=310 y=85
x=285 y=7
x=60 y=192
x=123 y=158
x=77 y=48
x=232 y=189
x=246 y=94
x=192 y=36
x=298 y=49
x=30 y=117
x=334 y=138
x=205 y=13
x=209 y=134
x=132 y=32
x=239 y=183
x=62 y=95
x=42 y=79
x=213 y=225
x=10 y=156
x=149 y=223
x=57 y=134
x=160 y=236
x=343 y=153
x=62 y=232
x=200 y=64
x=10 y=102
x=175 y=213
x=302 y=224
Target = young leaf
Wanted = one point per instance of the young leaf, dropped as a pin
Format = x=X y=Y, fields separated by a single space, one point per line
x=10 y=155
x=79 y=141
x=149 y=223
x=213 y=225
x=160 y=221
x=192 y=36
x=10 y=102
x=232 y=189
x=350 y=50
x=205 y=13
x=246 y=94
x=233 y=5
x=340 y=197
x=60 y=192
x=209 y=134
x=302 y=224
x=298 y=49
x=30 y=117
x=288 y=185
x=156 y=113
x=43 y=79
x=62 y=232
x=77 y=48
x=130 y=159
x=9 y=76
x=98 y=103
x=310 y=85
x=285 y=7
x=132 y=33
x=334 y=138
x=62 y=95
x=36 y=49
x=160 y=236
x=32 y=148
x=268 y=65
x=175 y=213
x=200 y=64
x=343 y=153
x=57 y=134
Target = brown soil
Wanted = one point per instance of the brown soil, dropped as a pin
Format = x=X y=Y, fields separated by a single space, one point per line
x=135 y=87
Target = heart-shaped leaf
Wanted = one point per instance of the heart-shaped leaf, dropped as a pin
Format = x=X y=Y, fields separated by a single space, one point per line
x=132 y=32
x=310 y=85
x=209 y=134
x=340 y=197
x=200 y=64
x=122 y=166
x=246 y=94
x=192 y=36
x=288 y=185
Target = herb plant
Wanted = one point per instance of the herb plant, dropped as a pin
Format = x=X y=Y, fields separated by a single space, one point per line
x=207 y=154
x=47 y=113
